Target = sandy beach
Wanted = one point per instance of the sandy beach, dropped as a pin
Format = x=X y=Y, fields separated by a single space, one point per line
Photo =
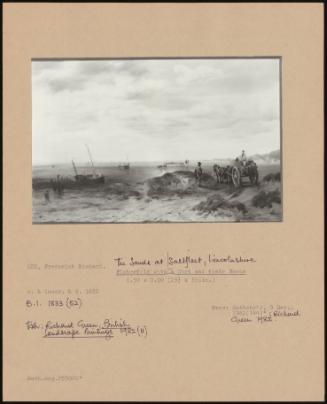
x=169 y=196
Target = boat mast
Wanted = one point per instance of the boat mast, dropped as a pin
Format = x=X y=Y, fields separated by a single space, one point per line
x=88 y=150
x=75 y=169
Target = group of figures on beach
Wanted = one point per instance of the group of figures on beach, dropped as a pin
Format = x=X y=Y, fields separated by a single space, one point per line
x=57 y=187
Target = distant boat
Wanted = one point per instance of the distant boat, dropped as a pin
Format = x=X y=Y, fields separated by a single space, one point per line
x=125 y=166
x=174 y=164
x=88 y=179
x=162 y=166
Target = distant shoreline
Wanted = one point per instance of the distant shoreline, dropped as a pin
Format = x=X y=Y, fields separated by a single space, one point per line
x=272 y=157
x=151 y=164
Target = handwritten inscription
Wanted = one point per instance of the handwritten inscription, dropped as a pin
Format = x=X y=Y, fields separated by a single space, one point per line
x=185 y=269
x=185 y=261
x=257 y=314
x=107 y=329
x=68 y=303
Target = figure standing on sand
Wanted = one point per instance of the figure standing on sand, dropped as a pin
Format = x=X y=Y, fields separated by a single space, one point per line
x=216 y=170
x=53 y=185
x=198 y=173
x=59 y=186
x=47 y=196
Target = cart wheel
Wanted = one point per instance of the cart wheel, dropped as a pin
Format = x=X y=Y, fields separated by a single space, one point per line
x=236 y=177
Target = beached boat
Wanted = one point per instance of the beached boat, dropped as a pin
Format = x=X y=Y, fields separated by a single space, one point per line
x=88 y=179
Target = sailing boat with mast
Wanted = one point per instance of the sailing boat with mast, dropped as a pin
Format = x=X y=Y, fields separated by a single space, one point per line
x=88 y=179
x=125 y=166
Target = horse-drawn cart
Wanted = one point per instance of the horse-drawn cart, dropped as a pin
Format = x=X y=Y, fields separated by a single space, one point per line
x=233 y=174
x=249 y=170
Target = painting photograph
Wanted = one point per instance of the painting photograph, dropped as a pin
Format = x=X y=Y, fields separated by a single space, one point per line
x=156 y=140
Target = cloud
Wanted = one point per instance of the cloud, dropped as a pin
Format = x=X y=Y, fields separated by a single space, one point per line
x=76 y=75
x=57 y=85
x=155 y=108
x=92 y=68
x=132 y=68
x=39 y=67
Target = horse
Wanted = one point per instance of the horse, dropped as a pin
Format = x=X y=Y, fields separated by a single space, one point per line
x=217 y=171
x=227 y=175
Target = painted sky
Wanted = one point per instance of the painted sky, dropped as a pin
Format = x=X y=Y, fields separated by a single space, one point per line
x=154 y=110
